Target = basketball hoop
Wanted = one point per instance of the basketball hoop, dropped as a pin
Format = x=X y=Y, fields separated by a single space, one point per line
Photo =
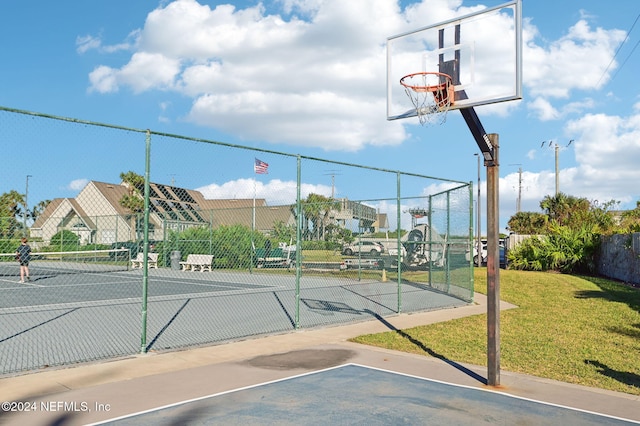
x=432 y=93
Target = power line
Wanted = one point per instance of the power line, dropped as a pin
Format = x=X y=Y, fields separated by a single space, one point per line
x=618 y=51
x=626 y=59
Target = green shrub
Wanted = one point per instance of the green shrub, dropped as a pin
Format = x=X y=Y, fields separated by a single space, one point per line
x=320 y=245
x=9 y=245
x=564 y=250
x=230 y=245
x=64 y=240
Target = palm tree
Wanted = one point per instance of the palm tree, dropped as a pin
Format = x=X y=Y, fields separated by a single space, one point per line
x=317 y=209
x=38 y=209
x=133 y=200
x=527 y=223
x=565 y=209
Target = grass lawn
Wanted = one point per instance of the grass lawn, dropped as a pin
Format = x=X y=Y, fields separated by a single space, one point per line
x=575 y=329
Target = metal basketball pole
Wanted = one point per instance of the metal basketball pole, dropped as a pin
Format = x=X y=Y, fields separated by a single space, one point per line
x=488 y=144
x=493 y=268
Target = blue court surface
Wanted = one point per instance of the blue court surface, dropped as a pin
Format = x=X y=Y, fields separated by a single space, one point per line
x=353 y=394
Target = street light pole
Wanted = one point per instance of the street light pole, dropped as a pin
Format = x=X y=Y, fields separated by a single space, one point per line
x=26 y=206
x=478 y=223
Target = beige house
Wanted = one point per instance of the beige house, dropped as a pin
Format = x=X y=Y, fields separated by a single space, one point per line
x=96 y=216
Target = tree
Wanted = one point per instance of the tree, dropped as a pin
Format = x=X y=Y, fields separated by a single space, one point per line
x=10 y=203
x=283 y=232
x=630 y=221
x=528 y=223
x=565 y=209
x=317 y=208
x=133 y=200
x=38 y=209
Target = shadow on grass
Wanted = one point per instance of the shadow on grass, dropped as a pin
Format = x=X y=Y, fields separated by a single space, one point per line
x=428 y=350
x=625 y=377
x=612 y=291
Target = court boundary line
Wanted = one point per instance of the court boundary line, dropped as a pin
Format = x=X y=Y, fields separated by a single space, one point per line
x=131 y=300
x=492 y=391
x=227 y=290
x=200 y=398
x=499 y=392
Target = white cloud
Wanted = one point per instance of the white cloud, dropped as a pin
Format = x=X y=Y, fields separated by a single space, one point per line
x=601 y=174
x=317 y=78
x=275 y=191
x=312 y=81
x=543 y=110
x=576 y=61
x=77 y=184
x=143 y=72
x=86 y=43
x=89 y=42
x=313 y=73
x=103 y=80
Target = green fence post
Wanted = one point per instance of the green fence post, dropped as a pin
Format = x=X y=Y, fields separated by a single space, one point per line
x=398 y=242
x=430 y=242
x=447 y=258
x=298 y=240
x=470 y=239
x=145 y=248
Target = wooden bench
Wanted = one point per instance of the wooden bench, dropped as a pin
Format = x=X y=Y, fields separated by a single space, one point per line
x=197 y=261
x=138 y=262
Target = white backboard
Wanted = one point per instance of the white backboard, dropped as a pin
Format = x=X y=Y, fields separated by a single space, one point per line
x=481 y=51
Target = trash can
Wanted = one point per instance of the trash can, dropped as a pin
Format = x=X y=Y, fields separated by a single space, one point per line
x=175 y=260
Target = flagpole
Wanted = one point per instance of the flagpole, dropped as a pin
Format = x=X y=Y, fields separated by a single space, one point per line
x=253 y=224
x=259 y=167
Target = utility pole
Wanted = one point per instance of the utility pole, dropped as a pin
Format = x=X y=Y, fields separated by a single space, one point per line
x=519 y=200
x=557 y=149
x=333 y=174
x=557 y=154
x=518 y=207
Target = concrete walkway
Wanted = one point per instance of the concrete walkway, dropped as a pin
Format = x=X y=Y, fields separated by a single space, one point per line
x=107 y=390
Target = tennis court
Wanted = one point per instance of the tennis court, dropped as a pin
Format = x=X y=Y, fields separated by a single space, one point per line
x=75 y=311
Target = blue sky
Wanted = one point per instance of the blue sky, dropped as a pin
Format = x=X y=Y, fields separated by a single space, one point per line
x=168 y=65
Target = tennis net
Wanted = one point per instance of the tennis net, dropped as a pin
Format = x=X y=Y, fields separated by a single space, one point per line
x=67 y=262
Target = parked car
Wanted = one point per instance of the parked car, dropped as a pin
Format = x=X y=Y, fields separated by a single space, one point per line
x=475 y=254
x=502 y=249
x=503 y=257
x=373 y=248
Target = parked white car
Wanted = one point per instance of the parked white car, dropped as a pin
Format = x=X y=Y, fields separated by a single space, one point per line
x=364 y=247
x=475 y=253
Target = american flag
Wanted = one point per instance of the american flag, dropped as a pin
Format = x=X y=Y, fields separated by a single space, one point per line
x=260 y=167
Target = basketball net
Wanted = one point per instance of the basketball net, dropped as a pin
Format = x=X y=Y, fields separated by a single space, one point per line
x=431 y=93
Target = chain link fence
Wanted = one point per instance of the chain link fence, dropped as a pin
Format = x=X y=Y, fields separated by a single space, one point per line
x=174 y=249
